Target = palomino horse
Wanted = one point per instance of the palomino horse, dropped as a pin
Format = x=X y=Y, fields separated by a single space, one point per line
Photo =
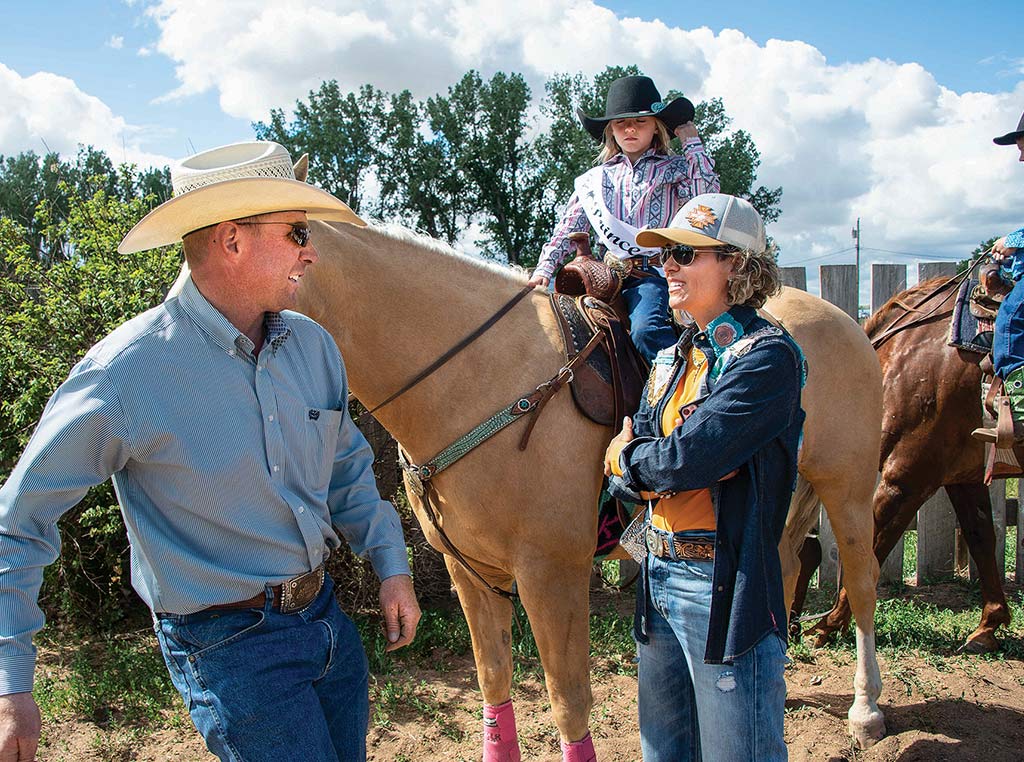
x=395 y=301
x=932 y=403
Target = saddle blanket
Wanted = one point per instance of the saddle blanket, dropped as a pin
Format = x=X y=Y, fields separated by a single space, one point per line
x=965 y=330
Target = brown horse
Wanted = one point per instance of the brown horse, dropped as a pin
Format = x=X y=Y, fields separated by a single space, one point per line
x=932 y=403
x=395 y=301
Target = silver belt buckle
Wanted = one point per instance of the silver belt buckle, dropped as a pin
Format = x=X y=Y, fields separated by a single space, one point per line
x=299 y=592
x=654 y=541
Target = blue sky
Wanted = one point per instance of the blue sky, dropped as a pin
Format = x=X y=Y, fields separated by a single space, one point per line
x=904 y=141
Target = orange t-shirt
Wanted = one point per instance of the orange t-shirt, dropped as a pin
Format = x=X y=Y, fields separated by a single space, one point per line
x=691 y=509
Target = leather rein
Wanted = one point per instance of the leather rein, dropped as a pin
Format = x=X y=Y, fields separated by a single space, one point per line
x=898 y=325
x=529 y=405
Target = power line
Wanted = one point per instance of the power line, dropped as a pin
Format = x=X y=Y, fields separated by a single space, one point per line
x=918 y=255
x=819 y=256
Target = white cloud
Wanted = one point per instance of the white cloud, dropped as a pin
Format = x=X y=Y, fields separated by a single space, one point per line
x=875 y=139
x=116 y=42
x=48 y=112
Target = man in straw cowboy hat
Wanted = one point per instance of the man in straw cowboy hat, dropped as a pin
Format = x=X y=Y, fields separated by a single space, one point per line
x=1008 y=335
x=222 y=418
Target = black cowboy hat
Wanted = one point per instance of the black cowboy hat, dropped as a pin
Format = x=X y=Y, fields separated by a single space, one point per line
x=636 y=96
x=1011 y=137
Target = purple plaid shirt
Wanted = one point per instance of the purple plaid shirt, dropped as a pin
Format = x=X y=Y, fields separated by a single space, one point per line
x=645 y=194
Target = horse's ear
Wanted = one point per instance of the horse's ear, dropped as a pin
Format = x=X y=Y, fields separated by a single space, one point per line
x=302 y=168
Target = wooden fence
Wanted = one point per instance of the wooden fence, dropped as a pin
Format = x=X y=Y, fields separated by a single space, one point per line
x=940 y=551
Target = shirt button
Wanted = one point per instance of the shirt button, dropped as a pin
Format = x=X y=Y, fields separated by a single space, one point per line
x=721 y=588
x=270 y=417
x=231 y=352
x=302 y=509
x=276 y=468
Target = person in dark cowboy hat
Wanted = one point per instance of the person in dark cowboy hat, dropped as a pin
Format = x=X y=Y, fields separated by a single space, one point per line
x=637 y=183
x=1008 y=338
x=222 y=417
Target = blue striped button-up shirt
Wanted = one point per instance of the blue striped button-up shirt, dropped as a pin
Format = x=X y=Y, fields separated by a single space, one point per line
x=232 y=469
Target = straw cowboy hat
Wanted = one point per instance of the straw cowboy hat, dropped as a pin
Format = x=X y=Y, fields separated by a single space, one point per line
x=632 y=97
x=229 y=183
x=1011 y=137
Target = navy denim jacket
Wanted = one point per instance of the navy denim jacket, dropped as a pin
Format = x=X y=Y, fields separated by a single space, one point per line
x=748 y=417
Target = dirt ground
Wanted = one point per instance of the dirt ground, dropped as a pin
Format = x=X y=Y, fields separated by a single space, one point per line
x=937 y=707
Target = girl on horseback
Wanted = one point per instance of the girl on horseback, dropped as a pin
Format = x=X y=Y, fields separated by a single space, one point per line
x=637 y=183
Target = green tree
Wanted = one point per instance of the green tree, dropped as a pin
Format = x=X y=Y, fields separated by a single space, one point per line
x=482 y=128
x=339 y=131
x=50 y=314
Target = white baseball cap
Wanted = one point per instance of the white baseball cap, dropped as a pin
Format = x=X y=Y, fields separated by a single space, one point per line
x=711 y=219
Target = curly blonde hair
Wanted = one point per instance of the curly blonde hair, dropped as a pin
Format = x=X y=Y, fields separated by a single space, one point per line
x=754 y=279
x=660 y=142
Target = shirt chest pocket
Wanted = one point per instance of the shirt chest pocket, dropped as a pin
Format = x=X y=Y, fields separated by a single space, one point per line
x=311 y=437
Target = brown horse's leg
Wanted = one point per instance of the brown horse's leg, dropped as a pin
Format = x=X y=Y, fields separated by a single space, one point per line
x=973 y=508
x=895 y=503
x=490 y=620
x=556 y=596
x=847 y=504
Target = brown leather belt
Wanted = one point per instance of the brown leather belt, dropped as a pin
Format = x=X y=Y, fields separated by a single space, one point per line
x=702 y=550
x=634 y=266
x=290 y=596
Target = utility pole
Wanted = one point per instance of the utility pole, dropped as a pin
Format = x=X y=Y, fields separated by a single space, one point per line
x=856 y=240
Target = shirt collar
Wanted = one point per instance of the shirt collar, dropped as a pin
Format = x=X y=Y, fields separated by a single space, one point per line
x=621 y=158
x=220 y=330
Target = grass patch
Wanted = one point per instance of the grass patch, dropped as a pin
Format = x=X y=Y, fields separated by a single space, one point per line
x=115 y=682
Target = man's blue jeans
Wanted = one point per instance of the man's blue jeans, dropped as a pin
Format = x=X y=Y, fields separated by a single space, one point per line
x=261 y=685
x=650 y=326
x=690 y=710
x=1008 y=336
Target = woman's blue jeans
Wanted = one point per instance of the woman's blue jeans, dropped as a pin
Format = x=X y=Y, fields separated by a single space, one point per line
x=1008 y=336
x=261 y=685
x=650 y=326
x=690 y=710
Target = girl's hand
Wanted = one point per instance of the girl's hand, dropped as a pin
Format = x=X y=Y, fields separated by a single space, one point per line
x=687 y=130
x=539 y=280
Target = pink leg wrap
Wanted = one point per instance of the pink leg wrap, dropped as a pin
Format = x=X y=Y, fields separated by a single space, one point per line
x=579 y=751
x=501 y=742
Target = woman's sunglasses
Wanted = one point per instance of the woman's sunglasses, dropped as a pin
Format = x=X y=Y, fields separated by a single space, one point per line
x=299 y=232
x=683 y=255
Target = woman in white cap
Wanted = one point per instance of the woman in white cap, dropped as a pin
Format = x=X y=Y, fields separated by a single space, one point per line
x=637 y=183
x=712 y=452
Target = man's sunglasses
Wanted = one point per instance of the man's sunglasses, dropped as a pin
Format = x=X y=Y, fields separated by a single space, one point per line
x=683 y=255
x=299 y=233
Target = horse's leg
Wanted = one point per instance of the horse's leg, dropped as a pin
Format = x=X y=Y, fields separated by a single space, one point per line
x=896 y=501
x=973 y=508
x=846 y=502
x=490 y=619
x=556 y=596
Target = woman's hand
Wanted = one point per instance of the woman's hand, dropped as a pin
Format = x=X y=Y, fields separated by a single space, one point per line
x=687 y=130
x=539 y=280
x=615 y=446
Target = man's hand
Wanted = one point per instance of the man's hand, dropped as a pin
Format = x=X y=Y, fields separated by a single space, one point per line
x=539 y=280
x=400 y=609
x=19 y=727
x=686 y=130
x=1000 y=251
x=616 y=445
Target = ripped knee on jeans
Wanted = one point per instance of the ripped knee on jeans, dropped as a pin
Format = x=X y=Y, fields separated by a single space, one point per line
x=726 y=681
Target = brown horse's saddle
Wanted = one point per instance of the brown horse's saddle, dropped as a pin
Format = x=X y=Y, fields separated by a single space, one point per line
x=608 y=386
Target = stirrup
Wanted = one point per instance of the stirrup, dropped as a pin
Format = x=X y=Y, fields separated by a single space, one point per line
x=1006 y=432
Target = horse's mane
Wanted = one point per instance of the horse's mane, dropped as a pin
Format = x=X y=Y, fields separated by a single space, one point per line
x=405 y=235
x=882 y=316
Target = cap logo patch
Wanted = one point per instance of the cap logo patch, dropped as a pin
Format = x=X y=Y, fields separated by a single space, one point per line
x=702 y=216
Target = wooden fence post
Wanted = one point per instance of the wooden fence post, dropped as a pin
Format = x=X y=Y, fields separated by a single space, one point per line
x=927 y=270
x=795 y=277
x=886 y=282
